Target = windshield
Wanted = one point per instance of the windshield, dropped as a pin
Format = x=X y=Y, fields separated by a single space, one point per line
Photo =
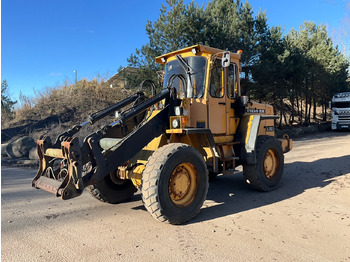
x=197 y=65
x=345 y=104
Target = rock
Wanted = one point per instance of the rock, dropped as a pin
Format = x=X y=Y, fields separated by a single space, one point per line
x=3 y=149
x=20 y=147
x=311 y=129
x=33 y=154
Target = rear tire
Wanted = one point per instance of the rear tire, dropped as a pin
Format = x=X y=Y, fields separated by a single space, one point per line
x=266 y=174
x=174 y=183
x=112 y=191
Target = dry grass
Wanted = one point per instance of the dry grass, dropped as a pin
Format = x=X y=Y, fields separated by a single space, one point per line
x=76 y=100
x=69 y=104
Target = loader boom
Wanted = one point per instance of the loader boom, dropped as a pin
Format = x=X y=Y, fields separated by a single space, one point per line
x=67 y=148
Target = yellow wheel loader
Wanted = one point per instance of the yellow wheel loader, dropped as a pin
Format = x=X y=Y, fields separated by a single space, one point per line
x=170 y=144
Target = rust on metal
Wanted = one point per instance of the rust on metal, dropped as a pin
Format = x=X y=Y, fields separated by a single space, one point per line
x=40 y=142
x=47 y=184
x=67 y=144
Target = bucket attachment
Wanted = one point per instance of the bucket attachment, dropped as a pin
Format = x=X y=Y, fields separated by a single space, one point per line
x=64 y=179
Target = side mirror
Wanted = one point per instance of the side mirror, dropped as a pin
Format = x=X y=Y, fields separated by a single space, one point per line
x=330 y=104
x=244 y=100
x=226 y=59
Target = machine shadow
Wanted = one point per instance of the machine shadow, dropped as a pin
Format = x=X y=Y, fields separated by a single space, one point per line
x=231 y=195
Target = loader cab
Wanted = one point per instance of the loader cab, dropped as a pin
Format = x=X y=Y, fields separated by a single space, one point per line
x=187 y=75
x=207 y=82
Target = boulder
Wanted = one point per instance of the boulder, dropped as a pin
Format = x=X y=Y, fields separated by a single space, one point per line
x=20 y=147
x=33 y=154
x=3 y=149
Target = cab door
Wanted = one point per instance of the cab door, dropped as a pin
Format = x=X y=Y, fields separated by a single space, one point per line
x=223 y=93
x=217 y=99
x=232 y=92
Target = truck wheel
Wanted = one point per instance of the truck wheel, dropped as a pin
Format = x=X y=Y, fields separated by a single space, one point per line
x=112 y=190
x=174 y=183
x=266 y=174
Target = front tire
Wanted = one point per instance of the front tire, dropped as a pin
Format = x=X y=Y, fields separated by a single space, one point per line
x=112 y=190
x=266 y=174
x=174 y=183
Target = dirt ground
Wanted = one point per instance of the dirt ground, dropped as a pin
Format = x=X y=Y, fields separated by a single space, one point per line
x=306 y=219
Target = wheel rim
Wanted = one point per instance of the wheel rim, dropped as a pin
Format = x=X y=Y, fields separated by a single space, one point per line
x=183 y=184
x=270 y=164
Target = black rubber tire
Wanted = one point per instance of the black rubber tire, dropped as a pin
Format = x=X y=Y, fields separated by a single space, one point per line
x=159 y=170
x=108 y=191
x=255 y=175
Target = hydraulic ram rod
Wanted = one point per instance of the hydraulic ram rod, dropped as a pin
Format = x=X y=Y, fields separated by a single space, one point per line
x=105 y=112
x=143 y=106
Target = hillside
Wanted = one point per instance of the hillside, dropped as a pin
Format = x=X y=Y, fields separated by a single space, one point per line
x=57 y=109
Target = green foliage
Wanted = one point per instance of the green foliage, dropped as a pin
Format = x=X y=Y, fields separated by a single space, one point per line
x=7 y=104
x=294 y=72
x=316 y=68
x=224 y=24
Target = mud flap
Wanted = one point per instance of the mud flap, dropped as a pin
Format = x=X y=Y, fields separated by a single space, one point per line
x=247 y=135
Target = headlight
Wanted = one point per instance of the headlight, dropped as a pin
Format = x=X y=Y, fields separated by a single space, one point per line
x=178 y=111
x=176 y=123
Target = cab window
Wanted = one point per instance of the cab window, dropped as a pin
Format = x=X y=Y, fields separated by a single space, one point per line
x=216 y=79
x=232 y=81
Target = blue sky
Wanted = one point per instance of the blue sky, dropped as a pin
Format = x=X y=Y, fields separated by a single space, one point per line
x=44 y=41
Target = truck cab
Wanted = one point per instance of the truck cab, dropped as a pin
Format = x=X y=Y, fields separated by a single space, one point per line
x=340 y=106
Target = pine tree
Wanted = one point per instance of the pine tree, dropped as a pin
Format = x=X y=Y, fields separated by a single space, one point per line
x=7 y=104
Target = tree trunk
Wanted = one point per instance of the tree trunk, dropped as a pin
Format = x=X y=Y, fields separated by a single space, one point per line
x=306 y=111
x=300 y=110
x=314 y=113
x=324 y=109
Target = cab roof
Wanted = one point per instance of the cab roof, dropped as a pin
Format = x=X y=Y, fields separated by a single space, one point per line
x=199 y=49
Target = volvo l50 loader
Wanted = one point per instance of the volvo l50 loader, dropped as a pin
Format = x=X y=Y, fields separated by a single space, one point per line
x=168 y=145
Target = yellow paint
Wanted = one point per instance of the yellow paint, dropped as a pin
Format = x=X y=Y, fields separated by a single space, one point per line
x=249 y=128
x=203 y=50
x=232 y=125
x=136 y=175
x=223 y=139
x=156 y=143
x=175 y=131
x=183 y=184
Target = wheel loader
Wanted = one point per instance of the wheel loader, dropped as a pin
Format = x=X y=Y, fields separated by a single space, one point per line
x=170 y=144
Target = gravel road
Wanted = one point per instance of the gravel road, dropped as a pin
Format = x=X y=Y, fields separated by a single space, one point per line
x=306 y=219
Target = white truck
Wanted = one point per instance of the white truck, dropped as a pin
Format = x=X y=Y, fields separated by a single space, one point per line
x=340 y=106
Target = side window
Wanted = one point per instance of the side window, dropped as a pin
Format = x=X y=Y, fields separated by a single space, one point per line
x=216 y=79
x=232 y=81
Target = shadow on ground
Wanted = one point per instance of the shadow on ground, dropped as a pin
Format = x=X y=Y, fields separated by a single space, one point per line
x=232 y=195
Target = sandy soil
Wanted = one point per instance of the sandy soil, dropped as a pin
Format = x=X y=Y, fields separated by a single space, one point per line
x=306 y=219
